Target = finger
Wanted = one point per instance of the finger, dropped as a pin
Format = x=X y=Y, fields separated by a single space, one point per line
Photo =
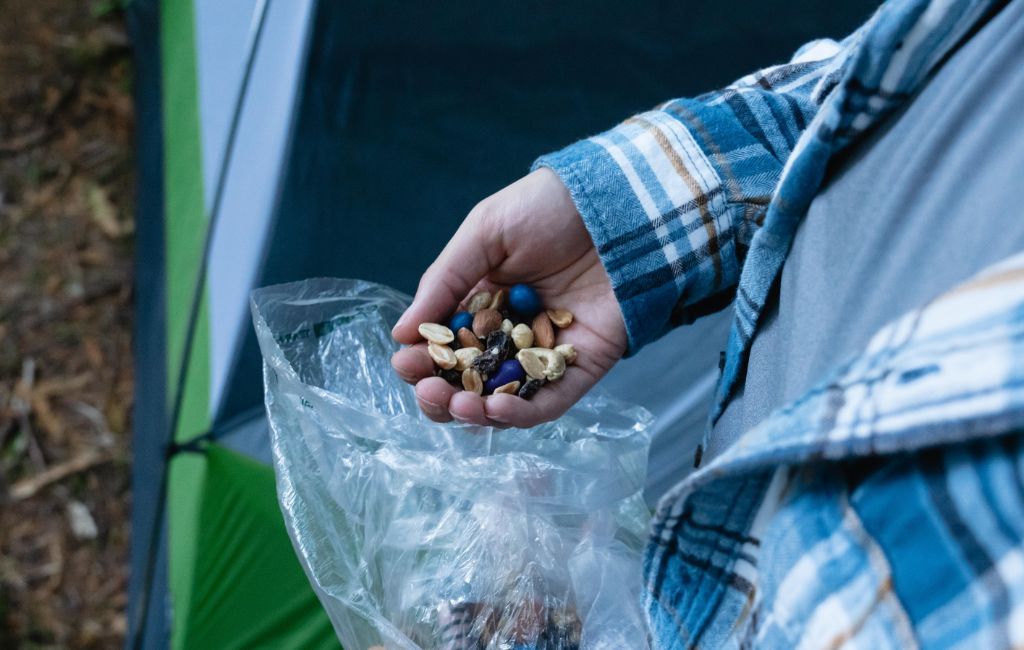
x=433 y=395
x=413 y=363
x=469 y=255
x=550 y=402
x=468 y=407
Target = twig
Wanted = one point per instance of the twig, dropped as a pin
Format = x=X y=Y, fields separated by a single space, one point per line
x=29 y=487
x=19 y=143
x=21 y=403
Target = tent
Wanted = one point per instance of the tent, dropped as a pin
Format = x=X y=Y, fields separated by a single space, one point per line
x=287 y=139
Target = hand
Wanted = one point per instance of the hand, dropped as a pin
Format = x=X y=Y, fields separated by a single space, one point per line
x=529 y=232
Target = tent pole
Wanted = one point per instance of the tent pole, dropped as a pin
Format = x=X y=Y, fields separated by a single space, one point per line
x=255 y=32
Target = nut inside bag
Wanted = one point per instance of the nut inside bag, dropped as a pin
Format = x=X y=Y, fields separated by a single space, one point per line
x=419 y=535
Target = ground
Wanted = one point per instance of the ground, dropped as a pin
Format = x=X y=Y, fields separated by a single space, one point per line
x=66 y=200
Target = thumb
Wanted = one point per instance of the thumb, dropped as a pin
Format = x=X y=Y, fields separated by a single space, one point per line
x=470 y=255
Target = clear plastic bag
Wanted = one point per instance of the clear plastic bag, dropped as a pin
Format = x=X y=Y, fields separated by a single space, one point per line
x=422 y=535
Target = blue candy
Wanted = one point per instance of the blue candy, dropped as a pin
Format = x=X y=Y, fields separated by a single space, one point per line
x=524 y=300
x=460 y=320
x=509 y=371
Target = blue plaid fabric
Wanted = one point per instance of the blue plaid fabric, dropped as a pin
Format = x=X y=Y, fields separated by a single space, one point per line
x=885 y=508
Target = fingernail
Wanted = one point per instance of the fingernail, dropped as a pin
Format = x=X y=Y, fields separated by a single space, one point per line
x=397 y=325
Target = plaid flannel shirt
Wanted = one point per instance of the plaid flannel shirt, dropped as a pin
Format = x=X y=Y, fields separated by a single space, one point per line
x=885 y=508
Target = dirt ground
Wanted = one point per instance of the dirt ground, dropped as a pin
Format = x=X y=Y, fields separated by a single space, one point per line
x=66 y=200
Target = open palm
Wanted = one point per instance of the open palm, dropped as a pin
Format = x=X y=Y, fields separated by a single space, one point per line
x=529 y=232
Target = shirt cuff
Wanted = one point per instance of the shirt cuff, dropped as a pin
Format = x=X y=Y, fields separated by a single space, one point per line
x=656 y=210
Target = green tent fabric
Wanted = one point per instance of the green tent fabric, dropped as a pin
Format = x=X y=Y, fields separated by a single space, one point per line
x=245 y=564
x=283 y=139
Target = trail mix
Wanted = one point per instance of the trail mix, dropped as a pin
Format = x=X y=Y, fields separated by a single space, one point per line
x=503 y=342
x=530 y=626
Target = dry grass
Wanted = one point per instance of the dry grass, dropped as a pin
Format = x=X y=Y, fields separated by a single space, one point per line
x=66 y=198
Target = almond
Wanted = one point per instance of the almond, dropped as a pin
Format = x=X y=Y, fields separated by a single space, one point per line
x=480 y=300
x=568 y=351
x=468 y=339
x=511 y=388
x=543 y=333
x=560 y=317
x=522 y=336
x=472 y=381
x=499 y=299
x=464 y=357
x=436 y=333
x=442 y=355
x=486 y=321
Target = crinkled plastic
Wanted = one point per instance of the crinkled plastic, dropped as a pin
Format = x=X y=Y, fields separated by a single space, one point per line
x=424 y=535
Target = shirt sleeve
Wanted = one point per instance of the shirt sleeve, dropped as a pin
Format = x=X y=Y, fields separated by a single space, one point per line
x=671 y=197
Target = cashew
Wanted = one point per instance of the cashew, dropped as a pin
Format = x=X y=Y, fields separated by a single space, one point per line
x=542 y=363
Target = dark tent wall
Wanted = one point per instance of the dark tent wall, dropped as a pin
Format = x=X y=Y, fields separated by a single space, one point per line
x=410 y=114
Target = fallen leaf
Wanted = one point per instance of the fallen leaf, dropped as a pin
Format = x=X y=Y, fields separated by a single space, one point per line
x=83 y=526
x=103 y=211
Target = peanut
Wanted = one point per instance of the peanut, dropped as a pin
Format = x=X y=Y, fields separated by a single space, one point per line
x=531 y=363
x=472 y=381
x=499 y=299
x=480 y=300
x=442 y=355
x=509 y=389
x=560 y=317
x=436 y=333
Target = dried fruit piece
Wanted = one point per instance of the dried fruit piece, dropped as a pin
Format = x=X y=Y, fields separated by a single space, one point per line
x=480 y=300
x=442 y=355
x=499 y=300
x=436 y=333
x=450 y=375
x=468 y=339
x=543 y=332
x=567 y=350
x=486 y=363
x=522 y=336
x=506 y=326
x=472 y=381
x=530 y=388
x=464 y=357
x=511 y=388
x=500 y=345
x=560 y=317
x=486 y=321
